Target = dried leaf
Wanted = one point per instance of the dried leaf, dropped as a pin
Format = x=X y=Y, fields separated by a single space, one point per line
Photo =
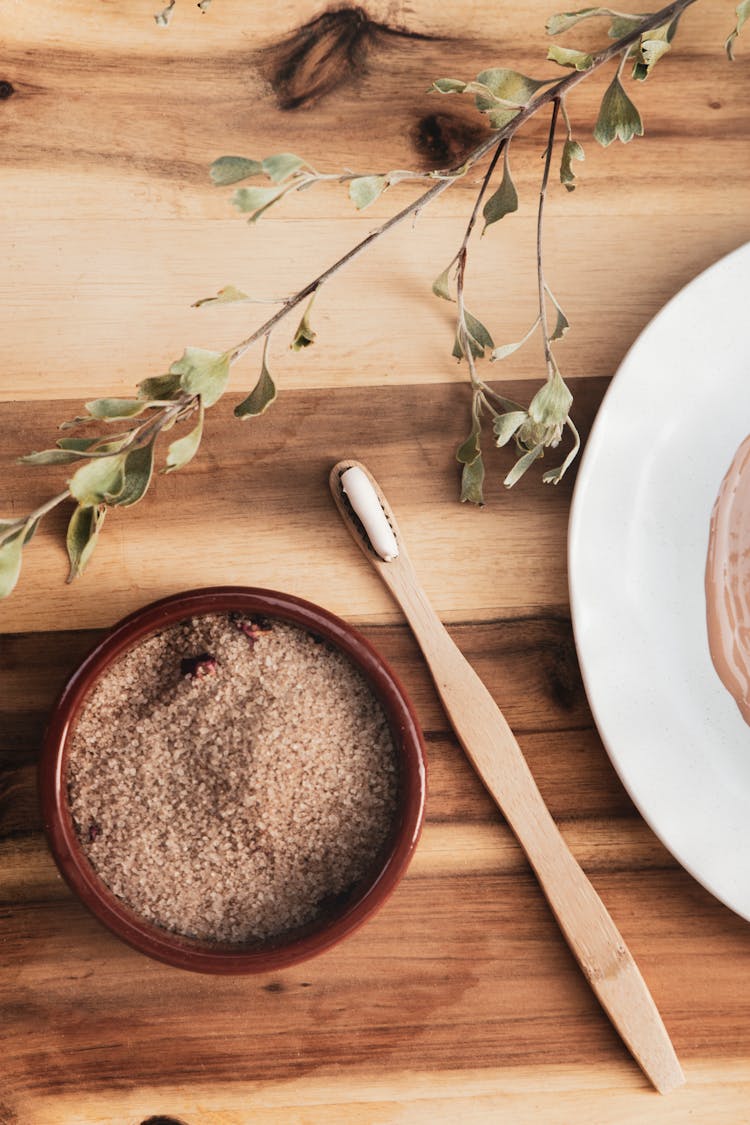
x=742 y=11
x=505 y=350
x=160 y=387
x=83 y=533
x=618 y=117
x=99 y=479
x=441 y=285
x=137 y=472
x=566 y=56
x=261 y=396
x=551 y=403
x=623 y=25
x=256 y=200
x=10 y=563
x=561 y=323
x=305 y=334
x=572 y=150
x=472 y=479
x=469 y=450
x=115 y=409
x=522 y=464
x=448 y=86
x=51 y=457
x=479 y=338
x=510 y=85
x=281 y=166
x=185 y=448
x=555 y=25
x=231 y=169
x=226 y=296
x=364 y=190
x=203 y=373
x=503 y=201
x=506 y=425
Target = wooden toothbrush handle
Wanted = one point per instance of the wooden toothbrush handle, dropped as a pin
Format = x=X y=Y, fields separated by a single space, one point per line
x=582 y=916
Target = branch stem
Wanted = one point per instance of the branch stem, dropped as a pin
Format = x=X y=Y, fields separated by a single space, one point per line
x=549 y=361
x=553 y=93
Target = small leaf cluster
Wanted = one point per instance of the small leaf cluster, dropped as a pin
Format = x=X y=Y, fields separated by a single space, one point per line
x=284 y=173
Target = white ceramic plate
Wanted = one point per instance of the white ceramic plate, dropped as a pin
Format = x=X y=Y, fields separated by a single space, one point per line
x=664 y=437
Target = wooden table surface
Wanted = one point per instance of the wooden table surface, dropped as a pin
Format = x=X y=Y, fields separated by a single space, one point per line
x=459 y=1001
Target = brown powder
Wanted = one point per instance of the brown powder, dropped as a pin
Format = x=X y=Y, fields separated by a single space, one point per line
x=228 y=778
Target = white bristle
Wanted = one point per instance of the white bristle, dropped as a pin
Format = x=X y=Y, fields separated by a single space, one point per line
x=364 y=500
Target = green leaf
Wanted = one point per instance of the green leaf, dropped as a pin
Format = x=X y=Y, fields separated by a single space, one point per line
x=742 y=11
x=226 y=296
x=51 y=457
x=185 y=448
x=503 y=201
x=479 y=338
x=448 y=86
x=555 y=25
x=441 y=284
x=163 y=17
x=571 y=151
x=506 y=425
x=100 y=478
x=10 y=563
x=113 y=409
x=160 y=387
x=551 y=403
x=305 y=334
x=137 y=473
x=522 y=464
x=366 y=189
x=261 y=396
x=231 y=169
x=202 y=373
x=472 y=479
x=83 y=533
x=281 y=166
x=618 y=117
x=566 y=56
x=256 y=200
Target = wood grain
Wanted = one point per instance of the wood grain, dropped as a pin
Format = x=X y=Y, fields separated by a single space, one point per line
x=459 y=1001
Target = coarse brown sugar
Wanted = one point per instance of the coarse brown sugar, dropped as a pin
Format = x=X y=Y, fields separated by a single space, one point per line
x=229 y=779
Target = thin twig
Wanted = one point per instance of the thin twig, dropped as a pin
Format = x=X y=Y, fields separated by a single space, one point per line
x=553 y=93
x=549 y=361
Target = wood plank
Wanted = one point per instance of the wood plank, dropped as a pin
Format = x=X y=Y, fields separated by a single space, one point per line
x=113 y=231
x=587 y=1094
x=256 y=502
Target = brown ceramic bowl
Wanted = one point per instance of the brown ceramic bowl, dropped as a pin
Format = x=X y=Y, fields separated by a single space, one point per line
x=201 y=956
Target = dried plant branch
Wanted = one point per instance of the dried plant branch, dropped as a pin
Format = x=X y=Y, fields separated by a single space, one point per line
x=116 y=471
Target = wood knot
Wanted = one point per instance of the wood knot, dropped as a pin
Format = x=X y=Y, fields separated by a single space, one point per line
x=7 y=89
x=443 y=140
x=160 y=1119
x=319 y=56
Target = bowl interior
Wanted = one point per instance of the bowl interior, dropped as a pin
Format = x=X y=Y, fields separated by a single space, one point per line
x=348 y=911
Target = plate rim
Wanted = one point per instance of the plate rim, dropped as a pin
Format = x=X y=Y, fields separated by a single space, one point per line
x=574 y=595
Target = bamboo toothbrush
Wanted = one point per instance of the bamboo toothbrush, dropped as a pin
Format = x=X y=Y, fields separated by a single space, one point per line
x=492 y=749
